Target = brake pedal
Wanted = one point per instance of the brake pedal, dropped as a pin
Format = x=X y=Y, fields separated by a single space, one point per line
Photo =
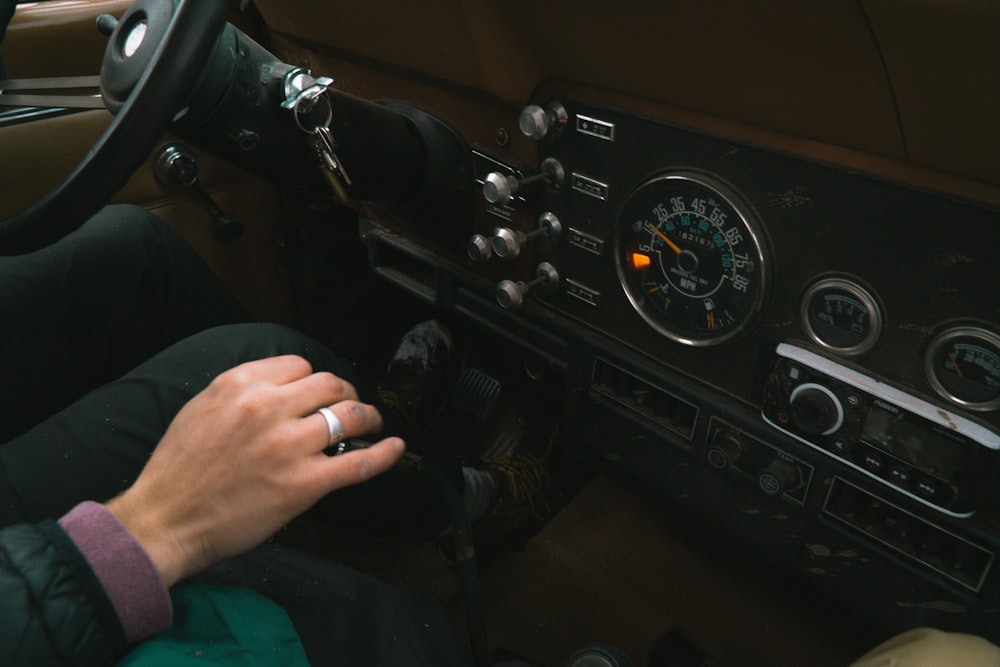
x=477 y=393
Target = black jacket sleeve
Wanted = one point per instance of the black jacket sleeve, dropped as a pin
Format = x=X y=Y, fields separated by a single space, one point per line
x=53 y=610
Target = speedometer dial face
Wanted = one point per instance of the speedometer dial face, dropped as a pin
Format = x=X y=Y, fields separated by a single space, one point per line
x=690 y=259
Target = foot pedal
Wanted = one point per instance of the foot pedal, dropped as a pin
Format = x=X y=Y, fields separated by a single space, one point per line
x=477 y=393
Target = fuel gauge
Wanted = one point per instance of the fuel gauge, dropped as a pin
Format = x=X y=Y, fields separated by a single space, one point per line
x=963 y=365
x=842 y=316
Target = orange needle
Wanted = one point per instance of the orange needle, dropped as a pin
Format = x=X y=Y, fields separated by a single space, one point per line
x=958 y=371
x=673 y=246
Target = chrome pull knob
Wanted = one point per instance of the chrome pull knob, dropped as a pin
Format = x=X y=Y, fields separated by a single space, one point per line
x=536 y=122
x=508 y=243
x=501 y=188
x=510 y=294
x=479 y=248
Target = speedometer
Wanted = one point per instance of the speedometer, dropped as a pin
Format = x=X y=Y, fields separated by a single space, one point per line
x=690 y=258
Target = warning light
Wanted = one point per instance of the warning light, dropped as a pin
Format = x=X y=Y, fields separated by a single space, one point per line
x=640 y=261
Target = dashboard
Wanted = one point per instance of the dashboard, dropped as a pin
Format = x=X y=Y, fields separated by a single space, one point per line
x=817 y=339
x=772 y=301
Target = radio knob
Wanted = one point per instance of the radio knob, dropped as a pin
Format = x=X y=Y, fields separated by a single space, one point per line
x=780 y=476
x=815 y=409
x=725 y=450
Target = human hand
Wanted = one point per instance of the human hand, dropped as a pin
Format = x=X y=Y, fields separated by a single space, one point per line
x=242 y=458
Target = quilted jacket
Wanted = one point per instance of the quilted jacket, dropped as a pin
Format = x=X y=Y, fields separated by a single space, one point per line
x=53 y=610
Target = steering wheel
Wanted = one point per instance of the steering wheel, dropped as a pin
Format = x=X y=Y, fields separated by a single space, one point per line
x=150 y=67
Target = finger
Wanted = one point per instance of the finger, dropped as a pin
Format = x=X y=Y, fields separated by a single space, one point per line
x=358 y=465
x=351 y=418
x=276 y=370
x=306 y=395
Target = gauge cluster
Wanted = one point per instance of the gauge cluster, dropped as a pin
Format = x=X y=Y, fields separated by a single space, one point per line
x=703 y=254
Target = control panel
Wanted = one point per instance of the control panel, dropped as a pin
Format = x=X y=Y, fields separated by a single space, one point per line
x=774 y=471
x=927 y=453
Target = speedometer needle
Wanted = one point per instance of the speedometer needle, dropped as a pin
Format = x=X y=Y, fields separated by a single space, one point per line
x=673 y=246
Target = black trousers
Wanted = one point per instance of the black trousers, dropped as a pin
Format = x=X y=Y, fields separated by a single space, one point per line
x=104 y=336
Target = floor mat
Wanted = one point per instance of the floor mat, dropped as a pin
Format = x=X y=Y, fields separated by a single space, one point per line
x=609 y=569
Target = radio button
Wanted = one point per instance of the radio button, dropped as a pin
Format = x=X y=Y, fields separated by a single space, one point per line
x=899 y=475
x=927 y=488
x=840 y=447
x=872 y=461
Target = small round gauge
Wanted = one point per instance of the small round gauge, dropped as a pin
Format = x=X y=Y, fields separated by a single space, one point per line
x=690 y=258
x=963 y=365
x=841 y=315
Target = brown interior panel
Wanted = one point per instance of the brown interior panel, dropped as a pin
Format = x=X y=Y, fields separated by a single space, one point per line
x=891 y=79
x=944 y=62
x=57 y=38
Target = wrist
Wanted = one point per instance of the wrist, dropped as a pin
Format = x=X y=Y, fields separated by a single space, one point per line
x=128 y=576
x=154 y=535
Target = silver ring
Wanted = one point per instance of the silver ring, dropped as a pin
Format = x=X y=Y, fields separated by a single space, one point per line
x=333 y=425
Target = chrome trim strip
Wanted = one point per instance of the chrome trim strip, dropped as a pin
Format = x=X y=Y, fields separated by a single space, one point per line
x=975 y=432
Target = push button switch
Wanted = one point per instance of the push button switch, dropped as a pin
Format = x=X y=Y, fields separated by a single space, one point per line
x=928 y=488
x=872 y=462
x=899 y=475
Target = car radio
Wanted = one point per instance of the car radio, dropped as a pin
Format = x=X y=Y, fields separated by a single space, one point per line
x=933 y=456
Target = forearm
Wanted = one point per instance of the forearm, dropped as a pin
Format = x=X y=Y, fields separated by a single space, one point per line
x=53 y=608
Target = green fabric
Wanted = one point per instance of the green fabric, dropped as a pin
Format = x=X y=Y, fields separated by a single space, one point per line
x=218 y=625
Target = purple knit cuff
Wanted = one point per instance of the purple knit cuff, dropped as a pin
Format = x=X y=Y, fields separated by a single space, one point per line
x=130 y=579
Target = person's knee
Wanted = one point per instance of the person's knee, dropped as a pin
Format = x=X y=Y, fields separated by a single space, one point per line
x=259 y=340
x=928 y=647
x=123 y=223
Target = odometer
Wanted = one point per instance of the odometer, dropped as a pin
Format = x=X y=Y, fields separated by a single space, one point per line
x=690 y=258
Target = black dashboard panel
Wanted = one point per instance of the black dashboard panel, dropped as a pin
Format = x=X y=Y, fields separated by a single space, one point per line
x=702 y=424
x=928 y=261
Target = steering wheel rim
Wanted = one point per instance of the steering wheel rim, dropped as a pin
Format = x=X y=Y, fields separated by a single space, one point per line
x=161 y=91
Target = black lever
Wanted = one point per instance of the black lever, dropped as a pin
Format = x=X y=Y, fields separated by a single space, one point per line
x=178 y=168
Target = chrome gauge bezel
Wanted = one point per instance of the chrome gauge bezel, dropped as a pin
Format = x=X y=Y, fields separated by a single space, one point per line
x=987 y=337
x=755 y=241
x=863 y=296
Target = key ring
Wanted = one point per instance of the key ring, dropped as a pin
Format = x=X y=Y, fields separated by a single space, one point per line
x=320 y=98
x=304 y=94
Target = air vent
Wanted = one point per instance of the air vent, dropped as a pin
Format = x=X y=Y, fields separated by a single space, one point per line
x=653 y=403
x=942 y=551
